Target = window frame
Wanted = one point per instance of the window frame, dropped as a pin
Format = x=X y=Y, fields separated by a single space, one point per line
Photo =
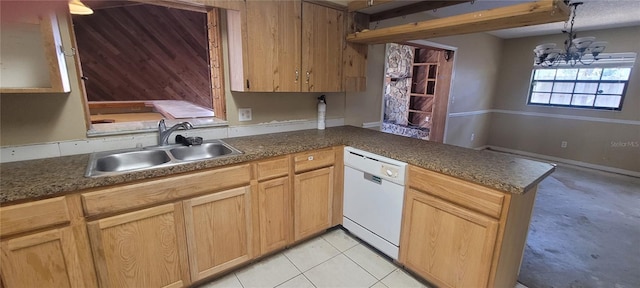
x=214 y=19
x=611 y=60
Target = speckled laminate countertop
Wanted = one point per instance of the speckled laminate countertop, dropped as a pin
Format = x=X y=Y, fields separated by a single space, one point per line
x=35 y=179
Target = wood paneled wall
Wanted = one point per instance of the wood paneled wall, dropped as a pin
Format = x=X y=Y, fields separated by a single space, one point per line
x=145 y=52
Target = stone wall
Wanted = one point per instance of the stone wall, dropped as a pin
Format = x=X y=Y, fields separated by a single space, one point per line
x=397 y=83
x=413 y=132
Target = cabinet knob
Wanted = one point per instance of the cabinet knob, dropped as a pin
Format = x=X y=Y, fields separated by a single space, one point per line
x=310 y=158
x=308 y=76
x=297 y=75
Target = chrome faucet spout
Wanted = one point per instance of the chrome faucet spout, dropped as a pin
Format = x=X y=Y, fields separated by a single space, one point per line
x=164 y=132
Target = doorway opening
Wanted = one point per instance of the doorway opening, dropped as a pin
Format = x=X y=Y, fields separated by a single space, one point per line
x=416 y=92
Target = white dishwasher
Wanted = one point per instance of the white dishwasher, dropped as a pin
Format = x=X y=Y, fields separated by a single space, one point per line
x=373 y=196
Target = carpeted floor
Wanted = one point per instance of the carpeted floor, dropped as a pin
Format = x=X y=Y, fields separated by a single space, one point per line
x=585 y=231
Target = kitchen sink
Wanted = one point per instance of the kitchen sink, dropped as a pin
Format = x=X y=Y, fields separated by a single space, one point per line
x=110 y=163
x=204 y=151
x=126 y=161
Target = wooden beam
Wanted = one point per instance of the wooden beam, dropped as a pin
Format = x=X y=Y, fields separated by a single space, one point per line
x=329 y=4
x=361 y=4
x=177 y=4
x=414 y=8
x=527 y=14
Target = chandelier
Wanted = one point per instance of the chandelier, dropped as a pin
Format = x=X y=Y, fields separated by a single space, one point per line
x=584 y=50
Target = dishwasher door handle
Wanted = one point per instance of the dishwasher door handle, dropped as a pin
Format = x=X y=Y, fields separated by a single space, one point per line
x=372 y=178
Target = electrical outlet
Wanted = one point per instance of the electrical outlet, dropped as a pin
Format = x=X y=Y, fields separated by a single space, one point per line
x=563 y=144
x=473 y=136
x=244 y=114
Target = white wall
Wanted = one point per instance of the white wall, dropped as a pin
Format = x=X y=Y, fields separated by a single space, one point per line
x=601 y=138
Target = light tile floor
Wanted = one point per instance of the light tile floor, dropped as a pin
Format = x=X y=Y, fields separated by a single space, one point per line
x=335 y=259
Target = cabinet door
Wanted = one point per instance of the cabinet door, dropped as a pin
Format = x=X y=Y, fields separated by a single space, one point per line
x=218 y=231
x=273 y=46
x=448 y=245
x=322 y=40
x=275 y=214
x=141 y=249
x=47 y=259
x=313 y=202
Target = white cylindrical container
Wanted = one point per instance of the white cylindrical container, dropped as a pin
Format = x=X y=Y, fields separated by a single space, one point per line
x=322 y=111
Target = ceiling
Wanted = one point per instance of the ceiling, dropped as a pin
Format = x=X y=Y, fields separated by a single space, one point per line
x=592 y=15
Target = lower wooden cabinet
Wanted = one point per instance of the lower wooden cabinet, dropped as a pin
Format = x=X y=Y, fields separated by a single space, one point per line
x=449 y=245
x=274 y=202
x=190 y=238
x=313 y=202
x=46 y=259
x=145 y=248
x=218 y=229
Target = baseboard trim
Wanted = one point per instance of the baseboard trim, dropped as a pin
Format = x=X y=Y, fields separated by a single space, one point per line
x=369 y=125
x=566 y=161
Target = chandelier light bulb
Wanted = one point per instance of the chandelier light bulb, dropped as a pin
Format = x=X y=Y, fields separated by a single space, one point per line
x=583 y=42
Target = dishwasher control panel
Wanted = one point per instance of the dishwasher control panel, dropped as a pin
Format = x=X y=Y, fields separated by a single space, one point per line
x=389 y=171
x=377 y=165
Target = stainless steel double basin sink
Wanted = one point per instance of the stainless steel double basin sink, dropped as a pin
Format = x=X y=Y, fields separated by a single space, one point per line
x=111 y=163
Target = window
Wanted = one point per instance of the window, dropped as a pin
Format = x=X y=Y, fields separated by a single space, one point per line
x=167 y=57
x=598 y=86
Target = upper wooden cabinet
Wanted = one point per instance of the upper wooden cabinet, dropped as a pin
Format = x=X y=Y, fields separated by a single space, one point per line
x=32 y=59
x=273 y=46
x=322 y=36
x=286 y=46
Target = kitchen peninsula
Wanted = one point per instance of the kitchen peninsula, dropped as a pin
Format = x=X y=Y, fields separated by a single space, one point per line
x=487 y=196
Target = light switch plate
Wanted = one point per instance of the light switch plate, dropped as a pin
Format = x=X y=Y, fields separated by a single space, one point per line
x=244 y=114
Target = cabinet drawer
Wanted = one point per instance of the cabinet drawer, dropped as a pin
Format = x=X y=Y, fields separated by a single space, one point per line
x=314 y=159
x=147 y=193
x=471 y=196
x=33 y=215
x=273 y=168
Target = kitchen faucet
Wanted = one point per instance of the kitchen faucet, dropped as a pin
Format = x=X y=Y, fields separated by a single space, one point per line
x=163 y=132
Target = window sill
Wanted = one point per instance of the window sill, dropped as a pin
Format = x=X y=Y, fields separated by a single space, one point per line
x=107 y=129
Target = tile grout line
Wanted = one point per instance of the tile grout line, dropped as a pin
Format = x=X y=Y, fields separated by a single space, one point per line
x=238 y=278
x=377 y=253
x=365 y=270
x=346 y=233
x=294 y=265
x=305 y=277
x=314 y=266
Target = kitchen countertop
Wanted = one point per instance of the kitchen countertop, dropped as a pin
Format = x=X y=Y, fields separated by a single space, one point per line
x=43 y=178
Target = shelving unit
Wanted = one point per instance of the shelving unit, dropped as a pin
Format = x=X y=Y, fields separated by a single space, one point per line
x=423 y=87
